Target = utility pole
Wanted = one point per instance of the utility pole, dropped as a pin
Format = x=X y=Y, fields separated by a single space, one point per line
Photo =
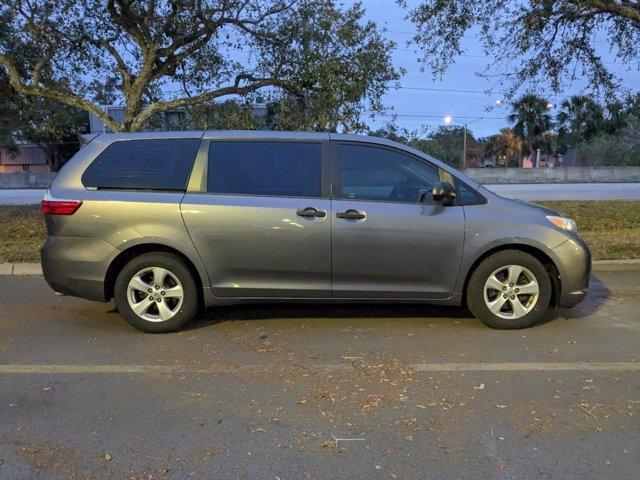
x=464 y=148
x=447 y=120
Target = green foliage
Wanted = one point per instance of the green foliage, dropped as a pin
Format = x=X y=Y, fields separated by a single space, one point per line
x=444 y=143
x=328 y=64
x=51 y=125
x=531 y=119
x=346 y=60
x=579 y=119
x=544 y=43
x=228 y=115
x=8 y=112
x=505 y=146
x=620 y=148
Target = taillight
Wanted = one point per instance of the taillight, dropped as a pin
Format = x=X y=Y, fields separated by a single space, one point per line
x=60 y=207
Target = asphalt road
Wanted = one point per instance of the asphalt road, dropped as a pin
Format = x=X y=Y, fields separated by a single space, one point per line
x=297 y=392
x=533 y=191
x=569 y=191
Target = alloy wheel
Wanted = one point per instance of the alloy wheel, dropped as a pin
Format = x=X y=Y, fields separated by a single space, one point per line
x=511 y=292
x=155 y=294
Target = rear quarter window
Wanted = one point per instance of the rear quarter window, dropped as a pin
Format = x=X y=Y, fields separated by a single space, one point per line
x=263 y=168
x=152 y=164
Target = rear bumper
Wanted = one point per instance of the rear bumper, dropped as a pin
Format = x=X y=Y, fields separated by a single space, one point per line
x=77 y=266
x=573 y=260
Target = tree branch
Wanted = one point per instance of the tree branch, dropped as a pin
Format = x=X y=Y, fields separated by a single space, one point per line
x=235 y=89
x=618 y=9
x=63 y=97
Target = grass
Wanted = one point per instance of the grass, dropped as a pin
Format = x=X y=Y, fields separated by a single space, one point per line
x=22 y=233
x=611 y=227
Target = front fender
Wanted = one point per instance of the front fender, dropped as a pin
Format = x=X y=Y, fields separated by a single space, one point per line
x=472 y=258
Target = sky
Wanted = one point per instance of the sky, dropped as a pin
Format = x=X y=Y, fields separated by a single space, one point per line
x=409 y=104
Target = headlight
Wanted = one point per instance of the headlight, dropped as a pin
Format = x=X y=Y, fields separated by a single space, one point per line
x=563 y=223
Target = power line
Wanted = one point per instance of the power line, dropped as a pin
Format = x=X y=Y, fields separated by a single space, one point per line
x=470 y=37
x=453 y=90
x=469 y=55
x=416 y=50
x=416 y=115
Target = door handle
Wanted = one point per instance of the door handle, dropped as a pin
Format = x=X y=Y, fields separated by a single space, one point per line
x=311 y=212
x=351 y=214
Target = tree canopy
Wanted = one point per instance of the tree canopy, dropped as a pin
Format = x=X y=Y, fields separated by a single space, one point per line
x=505 y=146
x=531 y=118
x=51 y=125
x=532 y=42
x=159 y=55
x=579 y=119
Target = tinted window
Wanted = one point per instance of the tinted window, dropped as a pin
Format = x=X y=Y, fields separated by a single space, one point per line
x=468 y=196
x=285 y=169
x=143 y=164
x=375 y=173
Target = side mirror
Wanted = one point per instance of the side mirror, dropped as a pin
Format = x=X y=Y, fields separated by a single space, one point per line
x=444 y=192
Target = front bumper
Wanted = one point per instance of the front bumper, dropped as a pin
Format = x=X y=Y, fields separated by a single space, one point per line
x=77 y=266
x=573 y=260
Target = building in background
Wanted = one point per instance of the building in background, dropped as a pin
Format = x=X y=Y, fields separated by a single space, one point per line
x=27 y=157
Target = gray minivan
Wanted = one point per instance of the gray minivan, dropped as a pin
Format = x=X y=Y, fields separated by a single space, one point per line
x=168 y=223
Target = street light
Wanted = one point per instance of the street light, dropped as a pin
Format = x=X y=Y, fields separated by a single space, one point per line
x=448 y=119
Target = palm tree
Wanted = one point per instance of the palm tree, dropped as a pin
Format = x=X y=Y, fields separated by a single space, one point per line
x=531 y=119
x=506 y=145
x=579 y=119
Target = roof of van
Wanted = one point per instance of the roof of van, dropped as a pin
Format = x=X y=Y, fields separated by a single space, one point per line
x=249 y=134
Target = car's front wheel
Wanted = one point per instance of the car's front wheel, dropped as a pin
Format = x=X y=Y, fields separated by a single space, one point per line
x=510 y=289
x=156 y=292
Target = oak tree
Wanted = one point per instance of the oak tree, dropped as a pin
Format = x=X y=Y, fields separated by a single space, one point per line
x=533 y=42
x=160 y=55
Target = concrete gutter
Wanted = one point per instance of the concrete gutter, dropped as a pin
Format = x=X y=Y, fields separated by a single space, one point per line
x=597 y=266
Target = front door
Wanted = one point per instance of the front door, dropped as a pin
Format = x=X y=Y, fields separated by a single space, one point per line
x=263 y=226
x=386 y=243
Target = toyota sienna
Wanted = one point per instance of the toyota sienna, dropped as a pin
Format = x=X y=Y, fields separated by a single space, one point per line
x=168 y=223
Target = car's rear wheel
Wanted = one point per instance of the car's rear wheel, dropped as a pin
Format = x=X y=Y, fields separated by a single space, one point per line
x=156 y=292
x=510 y=289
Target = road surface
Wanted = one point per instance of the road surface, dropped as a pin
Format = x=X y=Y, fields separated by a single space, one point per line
x=20 y=196
x=305 y=392
x=569 y=191
x=565 y=191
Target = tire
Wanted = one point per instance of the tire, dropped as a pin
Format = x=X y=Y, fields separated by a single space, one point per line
x=486 y=297
x=161 y=309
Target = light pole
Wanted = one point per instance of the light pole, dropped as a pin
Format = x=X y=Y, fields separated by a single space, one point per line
x=448 y=119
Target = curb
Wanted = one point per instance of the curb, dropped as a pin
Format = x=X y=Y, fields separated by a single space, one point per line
x=615 y=265
x=20 y=269
x=596 y=266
